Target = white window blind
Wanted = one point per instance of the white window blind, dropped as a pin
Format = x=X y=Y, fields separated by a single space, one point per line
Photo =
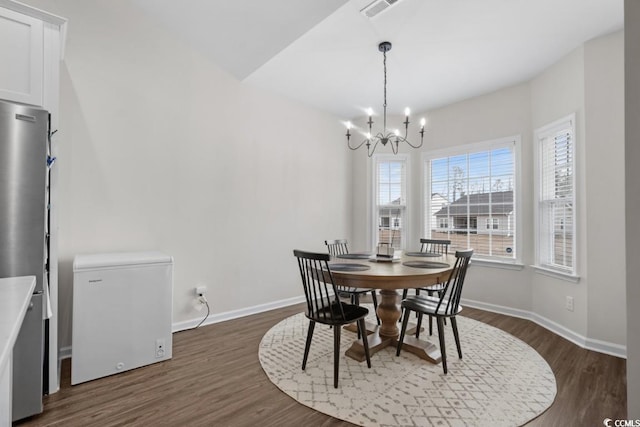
x=470 y=198
x=556 y=197
x=390 y=205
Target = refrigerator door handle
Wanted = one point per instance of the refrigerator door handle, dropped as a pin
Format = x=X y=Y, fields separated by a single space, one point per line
x=25 y=117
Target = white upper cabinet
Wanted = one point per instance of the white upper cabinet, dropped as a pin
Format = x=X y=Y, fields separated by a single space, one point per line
x=31 y=43
x=22 y=46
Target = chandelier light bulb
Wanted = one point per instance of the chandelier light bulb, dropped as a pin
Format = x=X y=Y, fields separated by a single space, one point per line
x=423 y=122
x=369 y=112
x=397 y=132
x=407 y=111
x=349 y=125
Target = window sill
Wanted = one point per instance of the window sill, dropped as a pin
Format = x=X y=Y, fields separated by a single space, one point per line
x=497 y=264
x=556 y=274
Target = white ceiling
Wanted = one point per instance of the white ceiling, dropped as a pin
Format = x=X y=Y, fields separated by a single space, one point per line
x=325 y=53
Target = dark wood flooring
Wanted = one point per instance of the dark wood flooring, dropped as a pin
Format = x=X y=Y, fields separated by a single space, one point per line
x=215 y=379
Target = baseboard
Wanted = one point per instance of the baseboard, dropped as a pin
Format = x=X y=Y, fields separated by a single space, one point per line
x=584 y=342
x=611 y=349
x=234 y=314
x=64 y=353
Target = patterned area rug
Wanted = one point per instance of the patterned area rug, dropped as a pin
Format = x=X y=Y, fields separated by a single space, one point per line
x=501 y=381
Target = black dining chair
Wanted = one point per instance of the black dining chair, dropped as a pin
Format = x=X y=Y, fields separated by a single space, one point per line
x=447 y=305
x=341 y=247
x=431 y=246
x=324 y=306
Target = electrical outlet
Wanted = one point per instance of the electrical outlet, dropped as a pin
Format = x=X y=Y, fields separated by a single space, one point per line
x=201 y=290
x=569 y=303
x=160 y=350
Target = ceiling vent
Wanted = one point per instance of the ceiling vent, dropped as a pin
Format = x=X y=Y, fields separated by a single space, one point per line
x=377 y=6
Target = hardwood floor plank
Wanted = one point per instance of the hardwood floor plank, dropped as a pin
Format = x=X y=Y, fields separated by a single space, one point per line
x=215 y=379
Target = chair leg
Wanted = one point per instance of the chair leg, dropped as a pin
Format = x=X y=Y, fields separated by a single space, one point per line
x=336 y=354
x=375 y=304
x=430 y=323
x=404 y=295
x=405 y=322
x=419 y=325
x=312 y=325
x=443 y=350
x=440 y=296
x=454 y=326
x=430 y=293
x=356 y=301
x=365 y=341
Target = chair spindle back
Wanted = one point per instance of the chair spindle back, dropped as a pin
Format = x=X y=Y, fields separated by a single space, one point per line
x=453 y=288
x=436 y=246
x=337 y=247
x=320 y=291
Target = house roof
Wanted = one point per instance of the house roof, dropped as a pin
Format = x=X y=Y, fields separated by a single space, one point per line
x=479 y=204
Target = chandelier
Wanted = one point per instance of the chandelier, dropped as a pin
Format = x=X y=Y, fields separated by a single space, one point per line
x=385 y=136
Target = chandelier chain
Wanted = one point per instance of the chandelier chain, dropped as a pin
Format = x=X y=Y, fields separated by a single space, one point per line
x=384 y=106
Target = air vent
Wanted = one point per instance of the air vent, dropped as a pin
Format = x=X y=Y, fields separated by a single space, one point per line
x=377 y=6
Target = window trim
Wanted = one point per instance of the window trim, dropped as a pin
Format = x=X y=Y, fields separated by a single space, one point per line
x=373 y=203
x=486 y=145
x=570 y=274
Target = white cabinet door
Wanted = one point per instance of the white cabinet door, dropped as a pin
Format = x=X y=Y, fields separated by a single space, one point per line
x=21 y=57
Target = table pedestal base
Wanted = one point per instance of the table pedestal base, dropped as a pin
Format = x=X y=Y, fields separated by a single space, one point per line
x=387 y=333
x=423 y=349
x=353 y=327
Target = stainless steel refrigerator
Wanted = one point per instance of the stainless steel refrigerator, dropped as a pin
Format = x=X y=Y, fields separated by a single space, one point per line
x=24 y=133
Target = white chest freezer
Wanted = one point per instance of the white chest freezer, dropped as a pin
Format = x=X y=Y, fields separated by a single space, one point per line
x=122 y=312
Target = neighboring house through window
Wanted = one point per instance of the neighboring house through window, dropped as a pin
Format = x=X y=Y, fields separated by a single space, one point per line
x=390 y=182
x=478 y=185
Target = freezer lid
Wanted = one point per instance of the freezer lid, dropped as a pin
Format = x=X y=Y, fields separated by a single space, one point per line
x=122 y=259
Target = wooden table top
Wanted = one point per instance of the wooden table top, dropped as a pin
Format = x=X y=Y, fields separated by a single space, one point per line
x=393 y=275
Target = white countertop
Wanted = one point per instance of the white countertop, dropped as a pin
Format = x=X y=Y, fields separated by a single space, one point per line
x=15 y=296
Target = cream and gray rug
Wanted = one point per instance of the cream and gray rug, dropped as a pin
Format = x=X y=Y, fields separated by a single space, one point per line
x=501 y=381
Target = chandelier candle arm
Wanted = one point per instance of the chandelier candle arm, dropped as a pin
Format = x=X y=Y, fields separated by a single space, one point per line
x=384 y=137
x=349 y=138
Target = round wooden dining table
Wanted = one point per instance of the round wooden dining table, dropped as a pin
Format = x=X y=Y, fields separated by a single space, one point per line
x=389 y=276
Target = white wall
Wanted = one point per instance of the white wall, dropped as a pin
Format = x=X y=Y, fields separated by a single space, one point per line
x=632 y=178
x=500 y=114
x=587 y=82
x=556 y=93
x=162 y=150
x=605 y=187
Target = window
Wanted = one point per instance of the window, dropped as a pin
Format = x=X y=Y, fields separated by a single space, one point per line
x=390 y=199
x=493 y=223
x=473 y=193
x=555 y=225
